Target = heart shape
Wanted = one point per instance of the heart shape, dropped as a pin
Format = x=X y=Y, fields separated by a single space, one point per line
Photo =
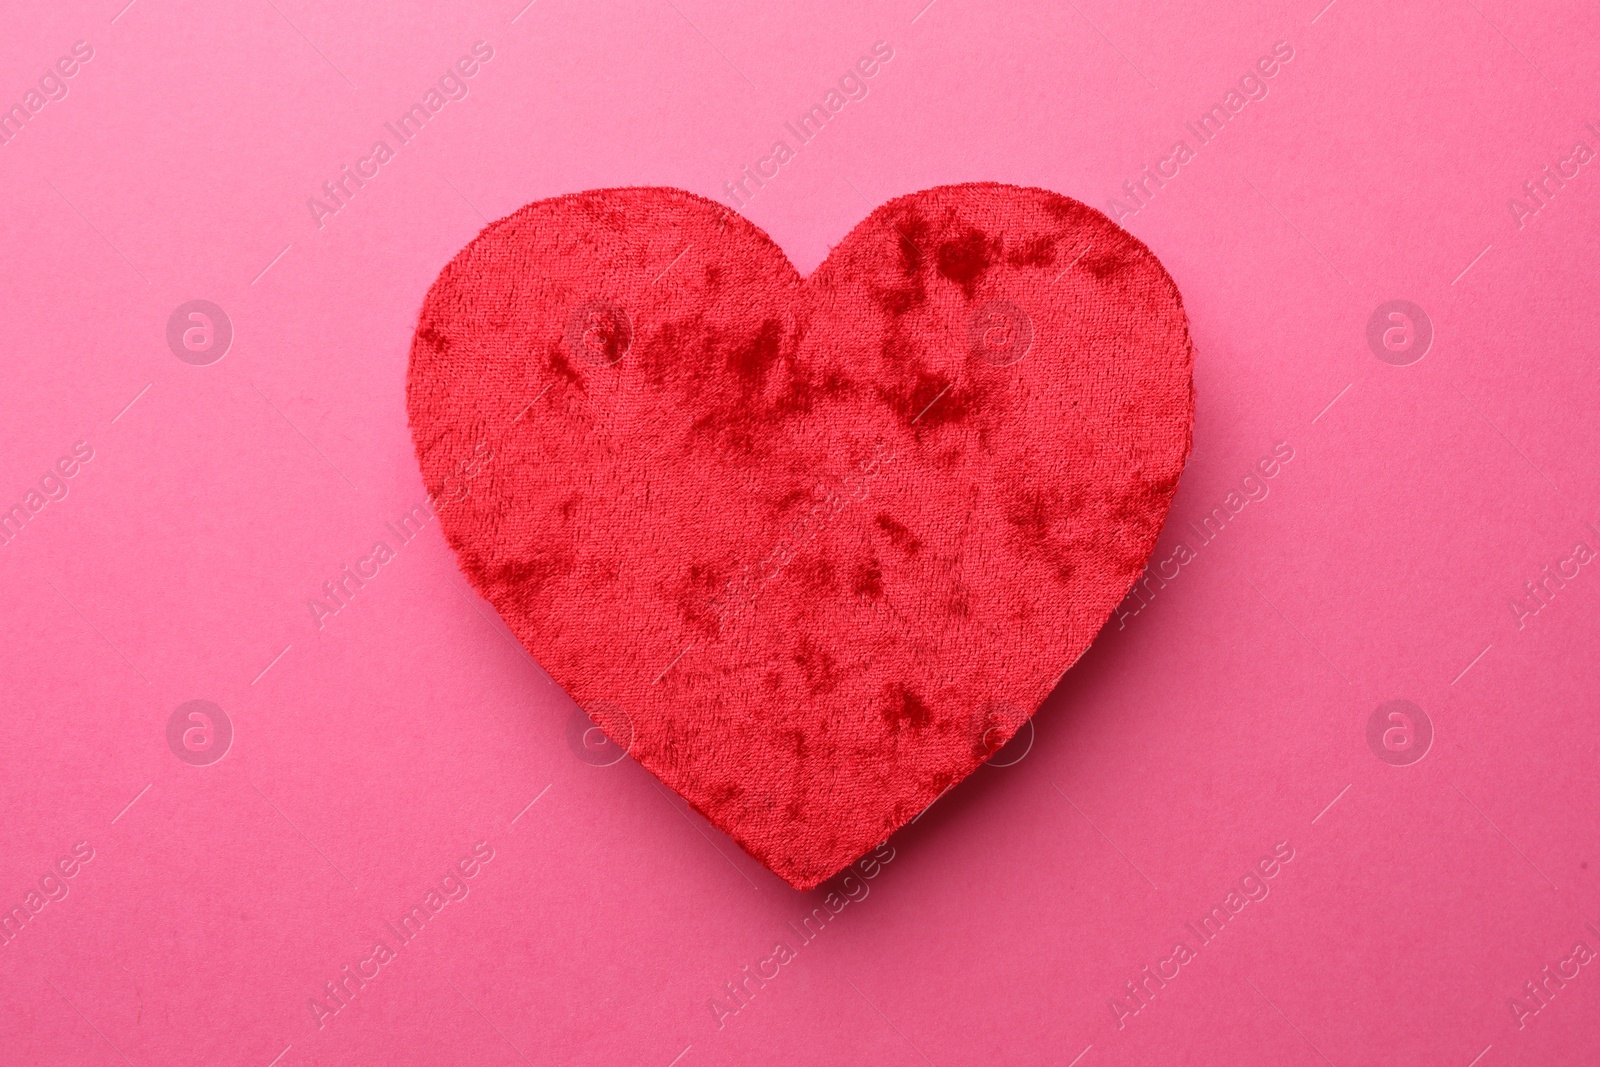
x=810 y=549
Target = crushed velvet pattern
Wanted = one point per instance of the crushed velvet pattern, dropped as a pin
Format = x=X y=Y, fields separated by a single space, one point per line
x=811 y=549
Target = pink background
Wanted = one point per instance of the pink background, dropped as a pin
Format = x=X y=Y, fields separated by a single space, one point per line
x=1227 y=716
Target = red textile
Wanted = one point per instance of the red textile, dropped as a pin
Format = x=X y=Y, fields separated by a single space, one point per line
x=810 y=548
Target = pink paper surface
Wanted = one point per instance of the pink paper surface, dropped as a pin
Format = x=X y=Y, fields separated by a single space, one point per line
x=1418 y=544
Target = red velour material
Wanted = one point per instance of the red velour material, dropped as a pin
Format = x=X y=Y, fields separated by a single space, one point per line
x=810 y=548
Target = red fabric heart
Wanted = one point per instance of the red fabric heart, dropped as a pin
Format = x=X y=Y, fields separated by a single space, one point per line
x=811 y=549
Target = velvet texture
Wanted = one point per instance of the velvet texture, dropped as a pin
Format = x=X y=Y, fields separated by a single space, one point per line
x=811 y=549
